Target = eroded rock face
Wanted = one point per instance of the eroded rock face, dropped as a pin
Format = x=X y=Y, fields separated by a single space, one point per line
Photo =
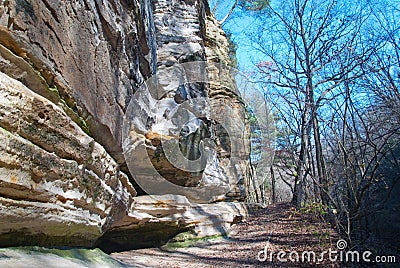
x=68 y=70
x=154 y=220
x=91 y=54
x=78 y=62
x=186 y=33
x=57 y=185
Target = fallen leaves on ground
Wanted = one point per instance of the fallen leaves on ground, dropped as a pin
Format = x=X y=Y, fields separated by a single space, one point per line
x=280 y=226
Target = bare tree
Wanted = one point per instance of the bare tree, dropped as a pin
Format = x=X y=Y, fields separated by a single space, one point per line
x=368 y=131
x=315 y=46
x=332 y=73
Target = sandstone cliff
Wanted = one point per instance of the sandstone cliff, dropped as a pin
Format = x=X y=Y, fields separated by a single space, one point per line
x=68 y=71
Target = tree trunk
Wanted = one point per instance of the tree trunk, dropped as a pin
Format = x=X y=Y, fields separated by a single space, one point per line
x=273 y=185
x=321 y=169
x=298 y=193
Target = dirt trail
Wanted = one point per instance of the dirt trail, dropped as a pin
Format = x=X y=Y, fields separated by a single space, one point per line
x=281 y=226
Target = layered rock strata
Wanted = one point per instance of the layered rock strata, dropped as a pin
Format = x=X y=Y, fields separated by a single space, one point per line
x=154 y=220
x=57 y=185
x=68 y=71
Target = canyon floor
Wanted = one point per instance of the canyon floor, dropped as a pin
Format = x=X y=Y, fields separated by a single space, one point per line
x=280 y=226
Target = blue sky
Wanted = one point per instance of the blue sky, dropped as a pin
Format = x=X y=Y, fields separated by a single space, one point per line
x=241 y=27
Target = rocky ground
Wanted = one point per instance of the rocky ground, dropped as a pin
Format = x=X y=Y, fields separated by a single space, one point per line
x=281 y=226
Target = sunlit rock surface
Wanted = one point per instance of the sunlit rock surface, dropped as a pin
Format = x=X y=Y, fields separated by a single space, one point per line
x=68 y=71
x=186 y=33
x=57 y=185
x=153 y=220
x=90 y=54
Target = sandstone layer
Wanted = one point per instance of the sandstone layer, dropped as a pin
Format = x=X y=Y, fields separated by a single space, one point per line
x=68 y=73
